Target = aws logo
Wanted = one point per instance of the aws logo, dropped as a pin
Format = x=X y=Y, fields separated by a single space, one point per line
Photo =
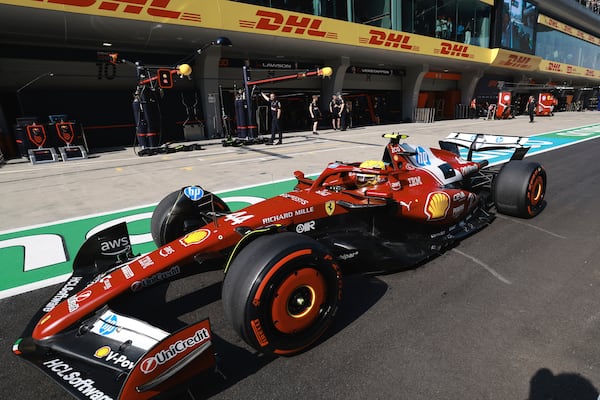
x=115 y=246
x=454 y=50
x=296 y=24
x=393 y=40
x=153 y=8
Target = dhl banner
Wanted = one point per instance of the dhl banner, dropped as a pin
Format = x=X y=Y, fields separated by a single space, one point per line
x=568 y=70
x=569 y=30
x=240 y=17
x=513 y=60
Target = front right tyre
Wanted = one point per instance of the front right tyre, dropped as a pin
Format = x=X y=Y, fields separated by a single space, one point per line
x=281 y=293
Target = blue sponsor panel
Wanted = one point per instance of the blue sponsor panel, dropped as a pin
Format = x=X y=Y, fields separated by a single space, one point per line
x=194 y=193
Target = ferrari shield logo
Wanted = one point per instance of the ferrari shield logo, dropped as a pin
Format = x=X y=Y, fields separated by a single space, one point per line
x=65 y=132
x=330 y=207
x=36 y=134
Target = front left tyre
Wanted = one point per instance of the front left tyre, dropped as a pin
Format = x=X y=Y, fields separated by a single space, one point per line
x=281 y=293
x=176 y=214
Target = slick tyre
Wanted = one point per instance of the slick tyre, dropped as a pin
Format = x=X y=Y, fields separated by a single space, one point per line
x=281 y=293
x=519 y=189
x=177 y=215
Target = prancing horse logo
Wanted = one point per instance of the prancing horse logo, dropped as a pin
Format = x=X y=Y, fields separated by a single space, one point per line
x=330 y=207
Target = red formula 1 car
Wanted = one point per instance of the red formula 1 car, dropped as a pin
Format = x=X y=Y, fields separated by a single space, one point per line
x=283 y=260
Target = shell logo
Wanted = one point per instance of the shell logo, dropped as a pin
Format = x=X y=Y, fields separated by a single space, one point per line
x=437 y=205
x=102 y=352
x=195 y=237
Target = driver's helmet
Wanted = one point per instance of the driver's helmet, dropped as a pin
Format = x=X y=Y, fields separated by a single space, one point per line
x=363 y=180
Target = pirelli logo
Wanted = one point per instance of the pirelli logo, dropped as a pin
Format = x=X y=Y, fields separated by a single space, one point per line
x=153 y=8
x=454 y=50
x=391 y=40
x=296 y=24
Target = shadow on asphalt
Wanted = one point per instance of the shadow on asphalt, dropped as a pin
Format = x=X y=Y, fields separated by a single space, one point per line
x=544 y=385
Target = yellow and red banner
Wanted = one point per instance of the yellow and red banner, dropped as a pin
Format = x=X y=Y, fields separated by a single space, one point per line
x=568 y=70
x=227 y=15
x=514 y=60
x=569 y=30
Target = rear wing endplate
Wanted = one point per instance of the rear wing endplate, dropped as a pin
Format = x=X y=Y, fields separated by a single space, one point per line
x=476 y=142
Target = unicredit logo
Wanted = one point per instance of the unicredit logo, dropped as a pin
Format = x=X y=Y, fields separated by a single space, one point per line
x=149 y=364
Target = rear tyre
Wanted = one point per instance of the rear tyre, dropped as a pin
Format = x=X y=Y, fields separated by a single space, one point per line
x=281 y=293
x=519 y=189
x=177 y=214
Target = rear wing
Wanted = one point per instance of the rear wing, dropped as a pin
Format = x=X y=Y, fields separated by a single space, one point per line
x=476 y=142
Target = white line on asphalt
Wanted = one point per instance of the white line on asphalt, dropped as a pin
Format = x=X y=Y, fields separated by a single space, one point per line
x=263 y=158
x=484 y=265
x=516 y=221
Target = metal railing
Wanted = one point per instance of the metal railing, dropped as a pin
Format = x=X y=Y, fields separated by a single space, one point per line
x=426 y=115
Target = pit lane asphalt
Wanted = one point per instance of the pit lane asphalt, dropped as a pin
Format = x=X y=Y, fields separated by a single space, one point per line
x=450 y=329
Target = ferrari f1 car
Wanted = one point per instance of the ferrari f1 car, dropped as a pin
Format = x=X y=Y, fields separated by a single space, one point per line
x=282 y=258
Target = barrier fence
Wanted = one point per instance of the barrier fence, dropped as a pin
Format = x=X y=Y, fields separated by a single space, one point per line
x=426 y=115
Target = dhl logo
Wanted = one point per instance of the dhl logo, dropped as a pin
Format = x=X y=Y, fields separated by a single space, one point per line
x=554 y=67
x=516 y=61
x=552 y=23
x=454 y=50
x=153 y=8
x=590 y=72
x=393 y=40
x=296 y=24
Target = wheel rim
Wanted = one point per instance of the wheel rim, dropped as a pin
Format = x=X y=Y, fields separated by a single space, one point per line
x=297 y=301
x=537 y=191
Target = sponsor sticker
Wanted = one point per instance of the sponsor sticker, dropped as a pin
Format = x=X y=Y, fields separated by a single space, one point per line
x=73 y=301
x=195 y=237
x=63 y=293
x=422 y=157
x=194 y=193
x=437 y=206
x=414 y=181
x=109 y=325
x=75 y=380
x=127 y=272
x=115 y=246
x=146 y=262
x=161 y=276
x=166 y=251
x=151 y=363
x=306 y=227
x=292 y=197
x=107 y=354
